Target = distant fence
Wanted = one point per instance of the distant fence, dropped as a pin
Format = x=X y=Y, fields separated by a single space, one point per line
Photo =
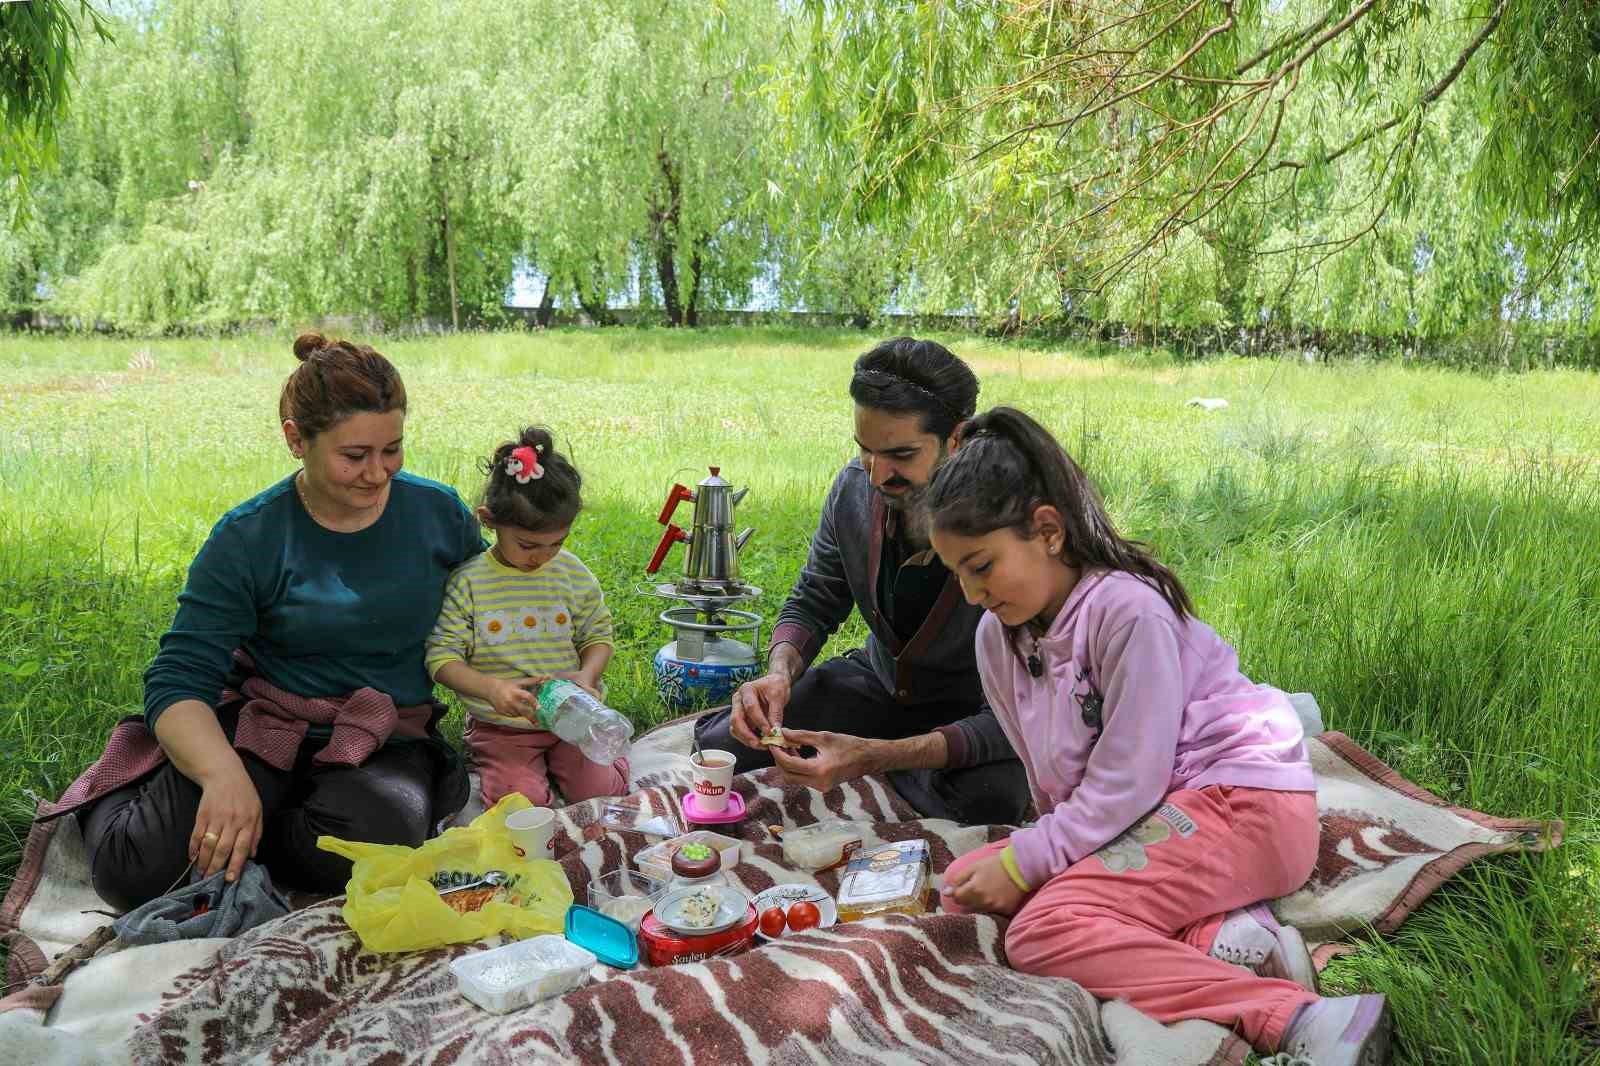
x=1495 y=345
x=531 y=316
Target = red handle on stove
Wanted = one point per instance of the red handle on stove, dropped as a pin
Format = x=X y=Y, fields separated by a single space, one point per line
x=678 y=494
x=672 y=534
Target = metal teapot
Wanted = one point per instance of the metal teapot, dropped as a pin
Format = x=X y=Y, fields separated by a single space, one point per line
x=713 y=557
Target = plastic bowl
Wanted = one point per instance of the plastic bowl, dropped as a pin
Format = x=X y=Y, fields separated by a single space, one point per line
x=626 y=895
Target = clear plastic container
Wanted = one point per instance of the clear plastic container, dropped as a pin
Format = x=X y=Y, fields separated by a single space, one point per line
x=637 y=815
x=626 y=895
x=821 y=846
x=578 y=718
x=514 y=976
x=656 y=860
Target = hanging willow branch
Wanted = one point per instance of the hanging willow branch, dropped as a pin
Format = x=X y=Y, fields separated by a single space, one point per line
x=1134 y=120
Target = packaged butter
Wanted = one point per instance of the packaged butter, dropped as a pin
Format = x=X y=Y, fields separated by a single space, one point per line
x=885 y=879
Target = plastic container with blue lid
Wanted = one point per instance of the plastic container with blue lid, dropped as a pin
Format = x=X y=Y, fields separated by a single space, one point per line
x=612 y=942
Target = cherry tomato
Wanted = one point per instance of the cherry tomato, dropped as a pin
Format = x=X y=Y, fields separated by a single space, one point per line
x=804 y=915
x=772 y=922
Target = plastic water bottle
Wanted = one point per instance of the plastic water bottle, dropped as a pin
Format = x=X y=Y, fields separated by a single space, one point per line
x=578 y=718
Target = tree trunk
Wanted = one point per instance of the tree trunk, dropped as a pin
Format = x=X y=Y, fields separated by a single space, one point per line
x=547 y=303
x=667 y=275
x=450 y=260
x=691 y=316
x=664 y=226
x=594 y=307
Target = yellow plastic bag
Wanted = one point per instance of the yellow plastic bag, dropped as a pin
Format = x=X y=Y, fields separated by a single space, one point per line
x=393 y=906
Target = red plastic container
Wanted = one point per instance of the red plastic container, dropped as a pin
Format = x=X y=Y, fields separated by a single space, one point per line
x=663 y=946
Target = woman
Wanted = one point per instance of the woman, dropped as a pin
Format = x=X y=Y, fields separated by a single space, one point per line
x=289 y=698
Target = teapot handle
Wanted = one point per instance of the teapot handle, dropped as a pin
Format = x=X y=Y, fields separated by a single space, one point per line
x=678 y=494
x=673 y=533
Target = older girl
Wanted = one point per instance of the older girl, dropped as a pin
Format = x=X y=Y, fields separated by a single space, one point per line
x=1173 y=792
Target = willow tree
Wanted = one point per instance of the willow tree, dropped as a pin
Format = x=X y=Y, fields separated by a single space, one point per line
x=39 y=42
x=644 y=139
x=358 y=177
x=1106 y=135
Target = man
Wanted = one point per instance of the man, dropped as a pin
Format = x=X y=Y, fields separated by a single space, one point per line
x=909 y=704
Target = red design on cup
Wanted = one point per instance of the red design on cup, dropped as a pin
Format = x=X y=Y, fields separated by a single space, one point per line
x=707 y=788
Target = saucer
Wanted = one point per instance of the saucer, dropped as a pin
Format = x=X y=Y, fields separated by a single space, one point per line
x=783 y=896
x=732 y=813
x=733 y=907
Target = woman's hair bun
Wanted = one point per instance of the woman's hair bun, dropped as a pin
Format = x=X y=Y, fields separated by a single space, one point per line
x=308 y=344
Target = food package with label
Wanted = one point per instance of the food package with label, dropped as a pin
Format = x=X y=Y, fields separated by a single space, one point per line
x=888 y=878
x=821 y=846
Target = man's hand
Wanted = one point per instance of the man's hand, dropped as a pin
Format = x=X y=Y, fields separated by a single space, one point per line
x=839 y=757
x=985 y=886
x=757 y=708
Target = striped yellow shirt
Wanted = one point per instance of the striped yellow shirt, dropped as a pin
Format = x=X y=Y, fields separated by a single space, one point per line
x=509 y=623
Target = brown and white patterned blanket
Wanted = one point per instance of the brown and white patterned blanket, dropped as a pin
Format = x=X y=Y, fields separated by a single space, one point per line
x=301 y=989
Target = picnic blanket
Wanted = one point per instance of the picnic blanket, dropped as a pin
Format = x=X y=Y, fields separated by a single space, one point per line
x=301 y=989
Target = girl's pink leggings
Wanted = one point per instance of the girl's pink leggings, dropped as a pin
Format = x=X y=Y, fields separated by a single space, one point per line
x=1135 y=920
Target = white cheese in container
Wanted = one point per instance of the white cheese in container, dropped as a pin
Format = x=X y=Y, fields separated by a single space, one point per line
x=517 y=975
x=823 y=845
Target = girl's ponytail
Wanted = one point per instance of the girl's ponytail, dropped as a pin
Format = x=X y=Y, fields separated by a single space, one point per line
x=1005 y=467
x=531 y=485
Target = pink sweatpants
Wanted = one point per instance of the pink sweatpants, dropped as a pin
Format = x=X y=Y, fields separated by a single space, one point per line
x=523 y=760
x=1135 y=920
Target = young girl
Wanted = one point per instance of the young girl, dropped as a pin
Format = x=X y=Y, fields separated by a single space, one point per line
x=518 y=615
x=1173 y=793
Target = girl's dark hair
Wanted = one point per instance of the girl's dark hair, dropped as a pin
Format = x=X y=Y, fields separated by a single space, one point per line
x=551 y=501
x=336 y=379
x=1005 y=467
x=905 y=375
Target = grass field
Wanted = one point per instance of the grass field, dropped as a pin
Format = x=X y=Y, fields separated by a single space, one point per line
x=1419 y=548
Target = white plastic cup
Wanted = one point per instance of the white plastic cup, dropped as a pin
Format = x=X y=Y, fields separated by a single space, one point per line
x=533 y=830
x=712 y=782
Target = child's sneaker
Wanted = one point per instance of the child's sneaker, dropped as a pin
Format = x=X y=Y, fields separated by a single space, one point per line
x=1347 y=1031
x=1251 y=937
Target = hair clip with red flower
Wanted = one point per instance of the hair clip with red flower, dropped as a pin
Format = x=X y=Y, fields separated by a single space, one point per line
x=523 y=464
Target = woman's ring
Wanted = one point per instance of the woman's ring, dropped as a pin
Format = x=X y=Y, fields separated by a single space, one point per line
x=211 y=837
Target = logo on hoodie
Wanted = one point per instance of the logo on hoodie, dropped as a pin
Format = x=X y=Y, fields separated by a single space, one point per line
x=1091 y=702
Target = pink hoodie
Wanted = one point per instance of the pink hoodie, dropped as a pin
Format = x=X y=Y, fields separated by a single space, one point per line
x=1174 y=713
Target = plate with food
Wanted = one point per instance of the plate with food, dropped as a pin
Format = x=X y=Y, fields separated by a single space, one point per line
x=701 y=909
x=784 y=909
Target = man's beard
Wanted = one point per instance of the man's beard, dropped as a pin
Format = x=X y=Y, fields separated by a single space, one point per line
x=902 y=501
x=908 y=500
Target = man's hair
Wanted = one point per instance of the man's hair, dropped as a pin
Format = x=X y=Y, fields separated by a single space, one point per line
x=906 y=376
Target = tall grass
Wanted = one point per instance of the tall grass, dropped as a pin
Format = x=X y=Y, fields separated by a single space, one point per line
x=1420 y=549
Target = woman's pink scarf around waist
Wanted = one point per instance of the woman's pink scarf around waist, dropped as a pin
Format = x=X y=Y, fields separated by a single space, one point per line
x=272 y=725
